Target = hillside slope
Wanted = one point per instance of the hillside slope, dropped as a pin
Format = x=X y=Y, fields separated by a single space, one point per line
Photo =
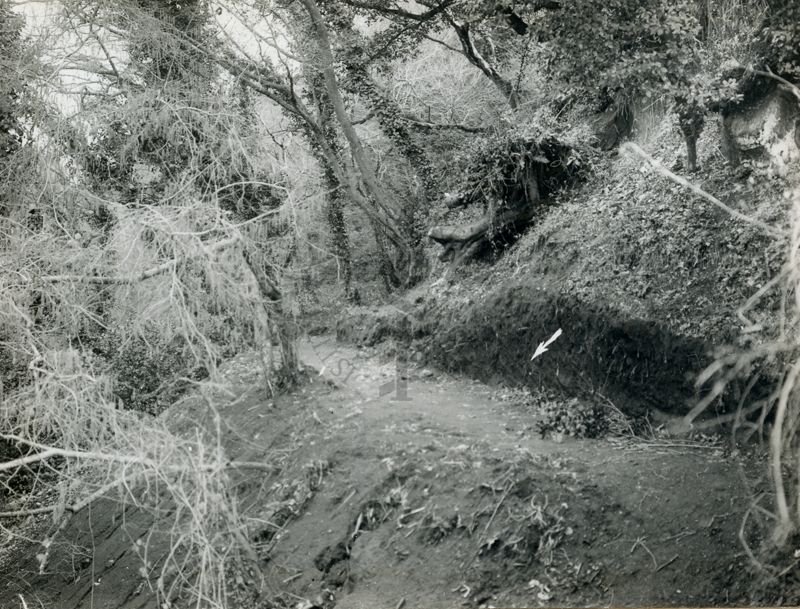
x=645 y=279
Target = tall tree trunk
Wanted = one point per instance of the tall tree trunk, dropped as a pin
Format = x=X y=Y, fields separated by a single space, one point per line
x=476 y=58
x=386 y=110
x=385 y=267
x=390 y=118
x=379 y=223
x=391 y=221
x=405 y=243
x=340 y=240
x=691 y=121
x=332 y=87
x=275 y=306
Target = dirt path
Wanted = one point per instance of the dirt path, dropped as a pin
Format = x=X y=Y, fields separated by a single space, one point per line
x=658 y=522
x=445 y=497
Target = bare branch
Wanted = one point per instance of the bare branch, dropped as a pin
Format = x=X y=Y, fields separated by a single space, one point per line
x=771 y=230
x=416 y=122
x=427 y=125
x=136 y=278
x=791 y=87
x=476 y=58
x=445 y=45
x=401 y=13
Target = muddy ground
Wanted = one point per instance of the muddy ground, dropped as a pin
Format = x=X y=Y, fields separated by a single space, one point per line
x=434 y=492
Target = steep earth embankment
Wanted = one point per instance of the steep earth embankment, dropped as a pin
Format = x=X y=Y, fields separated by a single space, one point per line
x=645 y=279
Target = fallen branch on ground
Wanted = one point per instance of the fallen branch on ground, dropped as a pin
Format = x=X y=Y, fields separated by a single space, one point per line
x=660 y=169
x=49 y=452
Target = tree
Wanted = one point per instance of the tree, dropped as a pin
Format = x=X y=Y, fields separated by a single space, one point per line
x=475 y=24
x=11 y=372
x=141 y=258
x=185 y=173
x=395 y=230
x=10 y=129
x=388 y=113
x=11 y=102
x=625 y=48
x=336 y=191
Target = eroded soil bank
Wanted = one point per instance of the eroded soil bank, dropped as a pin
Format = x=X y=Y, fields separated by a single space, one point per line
x=491 y=334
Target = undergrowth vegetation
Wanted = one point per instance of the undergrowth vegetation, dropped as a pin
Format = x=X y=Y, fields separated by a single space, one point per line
x=183 y=182
x=560 y=417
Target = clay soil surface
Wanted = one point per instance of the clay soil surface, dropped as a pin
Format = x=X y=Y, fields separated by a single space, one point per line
x=445 y=497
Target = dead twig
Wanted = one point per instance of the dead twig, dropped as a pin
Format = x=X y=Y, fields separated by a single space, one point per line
x=718 y=516
x=497 y=508
x=680 y=535
x=666 y=564
x=640 y=543
x=402 y=517
x=756 y=563
x=137 y=277
x=463 y=589
x=508 y=488
x=344 y=501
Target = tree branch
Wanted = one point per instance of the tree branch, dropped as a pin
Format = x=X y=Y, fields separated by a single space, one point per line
x=791 y=87
x=475 y=57
x=134 y=278
x=397 y=12
x=428 y=125
x=416 y=122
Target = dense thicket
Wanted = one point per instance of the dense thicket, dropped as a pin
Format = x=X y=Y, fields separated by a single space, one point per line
x=178 y=180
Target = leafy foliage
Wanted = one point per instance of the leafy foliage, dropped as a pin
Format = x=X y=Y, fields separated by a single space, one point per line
x=560 y=416
x=573 y=418
x=498 y=167
x=10 y=130
x=780 y=38
x=625 y=49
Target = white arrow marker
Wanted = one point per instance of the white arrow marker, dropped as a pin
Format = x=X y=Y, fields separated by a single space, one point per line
x=543 y=346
